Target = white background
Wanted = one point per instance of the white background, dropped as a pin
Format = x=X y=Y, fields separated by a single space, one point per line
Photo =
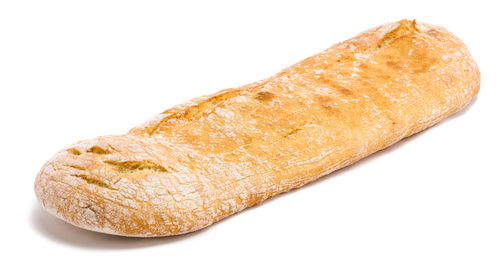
x=72 y=70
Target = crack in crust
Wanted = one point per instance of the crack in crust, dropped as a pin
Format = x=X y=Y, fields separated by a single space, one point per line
x=93 y=181
x=74 y=151
x=133 y=166
x=76 y=167
x=98 y=150
x=405 y=28
x=196 y=111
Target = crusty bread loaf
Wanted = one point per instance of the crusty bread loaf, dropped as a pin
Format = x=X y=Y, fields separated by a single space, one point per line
x=199 y=162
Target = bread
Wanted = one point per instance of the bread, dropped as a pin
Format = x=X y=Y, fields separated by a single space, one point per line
x=214 y=156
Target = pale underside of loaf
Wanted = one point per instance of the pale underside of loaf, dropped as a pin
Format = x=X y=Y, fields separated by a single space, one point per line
x=199 y=162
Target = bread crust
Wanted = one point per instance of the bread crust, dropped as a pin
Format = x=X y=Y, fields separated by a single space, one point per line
x=204 y=160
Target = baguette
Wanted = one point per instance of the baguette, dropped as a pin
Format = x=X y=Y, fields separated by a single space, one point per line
x=214 y=156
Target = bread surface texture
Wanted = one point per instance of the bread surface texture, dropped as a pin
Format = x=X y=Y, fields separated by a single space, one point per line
x=214 y=156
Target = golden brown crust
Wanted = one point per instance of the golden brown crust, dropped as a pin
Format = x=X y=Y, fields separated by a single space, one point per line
x=199 y=162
